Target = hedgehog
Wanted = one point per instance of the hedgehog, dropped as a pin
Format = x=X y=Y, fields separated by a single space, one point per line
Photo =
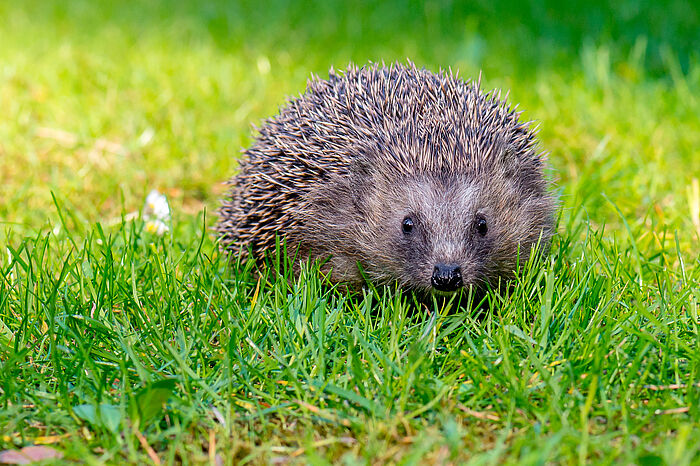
x=396 y=175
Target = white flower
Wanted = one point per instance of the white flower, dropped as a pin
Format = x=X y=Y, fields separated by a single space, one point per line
x=156 y=213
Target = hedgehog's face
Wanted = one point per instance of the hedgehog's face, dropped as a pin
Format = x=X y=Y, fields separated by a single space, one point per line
x=443 y=233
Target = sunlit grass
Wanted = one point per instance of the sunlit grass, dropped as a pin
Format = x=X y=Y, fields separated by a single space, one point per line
x=112 y=338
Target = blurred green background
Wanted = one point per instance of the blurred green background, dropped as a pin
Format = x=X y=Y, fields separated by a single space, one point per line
x=103 y=101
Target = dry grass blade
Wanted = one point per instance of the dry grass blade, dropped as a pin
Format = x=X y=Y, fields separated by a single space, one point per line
x=149 y=450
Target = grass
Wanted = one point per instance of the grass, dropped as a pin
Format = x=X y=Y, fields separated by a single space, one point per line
x=116 y=345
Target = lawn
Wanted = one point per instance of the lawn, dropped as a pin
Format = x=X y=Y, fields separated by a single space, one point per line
x=121 y=346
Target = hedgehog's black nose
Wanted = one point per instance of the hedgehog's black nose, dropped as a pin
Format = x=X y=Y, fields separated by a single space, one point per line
x=446 y=277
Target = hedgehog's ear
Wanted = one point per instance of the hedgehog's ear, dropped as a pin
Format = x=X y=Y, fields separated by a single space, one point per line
x=524 y=168
x=516 y=161
x=345 y=192
x=510 y=160
x=361 y=181
x=361 y=167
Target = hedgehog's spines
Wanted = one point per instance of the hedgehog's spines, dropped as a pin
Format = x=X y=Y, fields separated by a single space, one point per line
x=400 y=121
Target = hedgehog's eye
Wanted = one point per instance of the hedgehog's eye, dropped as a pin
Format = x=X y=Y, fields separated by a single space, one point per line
x=407 y=225
x=481 y=226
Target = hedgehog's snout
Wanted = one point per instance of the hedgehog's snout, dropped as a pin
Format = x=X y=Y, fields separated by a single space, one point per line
x=447 y=277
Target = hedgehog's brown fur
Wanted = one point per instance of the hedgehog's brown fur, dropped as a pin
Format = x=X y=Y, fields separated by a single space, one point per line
x=341 y=167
